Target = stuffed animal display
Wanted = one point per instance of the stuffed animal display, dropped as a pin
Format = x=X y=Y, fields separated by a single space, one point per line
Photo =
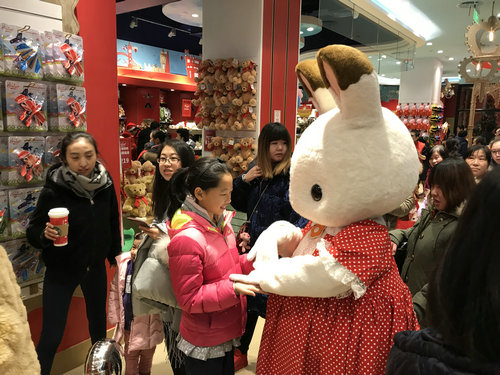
x=237 y=154
x=137 y=203
x=225 y=95
x=336 y=297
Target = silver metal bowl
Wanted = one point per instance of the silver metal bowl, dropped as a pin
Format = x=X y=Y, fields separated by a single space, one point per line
x=104 y=358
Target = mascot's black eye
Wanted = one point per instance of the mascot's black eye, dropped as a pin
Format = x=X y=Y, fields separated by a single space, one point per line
x=316 y=192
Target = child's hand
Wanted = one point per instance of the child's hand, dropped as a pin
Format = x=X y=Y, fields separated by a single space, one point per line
x=246 y=289
x=152 y=232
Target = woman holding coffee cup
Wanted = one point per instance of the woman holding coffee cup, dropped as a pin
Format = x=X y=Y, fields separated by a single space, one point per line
x=76 y=224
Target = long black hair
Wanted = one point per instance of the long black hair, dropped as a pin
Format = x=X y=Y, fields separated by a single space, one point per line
x=274 y=131
x=464 y=298
x=205 y=173
x=161 y=197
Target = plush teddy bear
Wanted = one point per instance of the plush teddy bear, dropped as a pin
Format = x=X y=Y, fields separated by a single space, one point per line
x=335 y=295
x=248 y=72
x=248 y=94
x=196 y=102
x=149 y=182
x=134 y=172
x=148 y=169
x=247 y=147
x=136 y=203
x=215 y=145
x=234 y=163
x=228 y=144
x=248 y=120
x=244 y=165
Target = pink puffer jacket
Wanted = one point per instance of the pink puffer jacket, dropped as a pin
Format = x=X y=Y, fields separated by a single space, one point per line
x=201 y=258
x=146 y=331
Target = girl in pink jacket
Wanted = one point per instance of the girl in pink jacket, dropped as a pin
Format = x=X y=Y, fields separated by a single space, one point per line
x=141 y=333
x=202 y=254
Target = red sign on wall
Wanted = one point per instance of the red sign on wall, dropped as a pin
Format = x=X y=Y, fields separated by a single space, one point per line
x=186 y=108
x=126 y=152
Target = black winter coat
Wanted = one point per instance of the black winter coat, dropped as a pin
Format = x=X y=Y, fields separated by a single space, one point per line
x=273 y=206
x=94 y=231
x=423 y=352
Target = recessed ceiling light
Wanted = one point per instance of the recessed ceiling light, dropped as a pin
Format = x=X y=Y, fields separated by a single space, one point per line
x=468 y=70
x=440 y=51
x=451 y=58
x=310 y=25
x=384 y=56
x=301 y=32
x=409 y=16
x=398 y=62
x=429 y=43
x=195 y=15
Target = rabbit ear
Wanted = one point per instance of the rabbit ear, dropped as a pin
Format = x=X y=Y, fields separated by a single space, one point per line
x=309 y=76
x=341 y=66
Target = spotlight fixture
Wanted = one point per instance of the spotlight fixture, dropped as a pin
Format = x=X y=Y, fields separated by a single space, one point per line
x=133 y=23
x=172 y=33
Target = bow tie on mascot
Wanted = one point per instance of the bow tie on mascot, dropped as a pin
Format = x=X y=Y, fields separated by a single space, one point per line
x=336 y=297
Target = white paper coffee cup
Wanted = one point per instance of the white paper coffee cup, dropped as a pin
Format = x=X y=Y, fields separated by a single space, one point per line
x=59 y=219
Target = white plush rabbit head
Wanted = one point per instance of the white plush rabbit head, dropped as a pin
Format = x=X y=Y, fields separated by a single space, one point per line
x=356 y=161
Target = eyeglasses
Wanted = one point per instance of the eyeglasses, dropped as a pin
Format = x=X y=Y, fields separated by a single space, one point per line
x=496 y=152
x=171 y=160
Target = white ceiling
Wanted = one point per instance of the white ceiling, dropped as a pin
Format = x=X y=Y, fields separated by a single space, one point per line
x=451 y=19
x=453 y=22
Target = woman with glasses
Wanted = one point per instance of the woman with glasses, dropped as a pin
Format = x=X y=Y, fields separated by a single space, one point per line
x=153 y=298
x=495 y=151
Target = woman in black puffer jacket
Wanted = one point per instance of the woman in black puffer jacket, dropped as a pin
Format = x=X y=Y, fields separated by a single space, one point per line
x=83 y=186
x=464 y=299
x=263 y=194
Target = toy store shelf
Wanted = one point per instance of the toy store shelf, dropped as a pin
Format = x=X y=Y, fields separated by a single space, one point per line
x=32 y=288
x=155 y=79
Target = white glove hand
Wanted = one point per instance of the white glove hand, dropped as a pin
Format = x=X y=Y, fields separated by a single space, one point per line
x=281 y=235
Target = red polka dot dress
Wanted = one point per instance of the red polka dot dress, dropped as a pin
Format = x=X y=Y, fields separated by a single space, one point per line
x=341 y=335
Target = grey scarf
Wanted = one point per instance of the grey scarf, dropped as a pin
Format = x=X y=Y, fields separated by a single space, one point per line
x=82 y=185
x=191 y=205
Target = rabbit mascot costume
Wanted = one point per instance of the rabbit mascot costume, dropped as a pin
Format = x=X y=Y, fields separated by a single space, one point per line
x=336 y=297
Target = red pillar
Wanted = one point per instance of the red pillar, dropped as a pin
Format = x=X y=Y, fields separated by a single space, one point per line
x=280 y=55
x=98 y=29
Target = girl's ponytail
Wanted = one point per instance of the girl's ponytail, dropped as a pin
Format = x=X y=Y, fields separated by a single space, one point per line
x=178 y=190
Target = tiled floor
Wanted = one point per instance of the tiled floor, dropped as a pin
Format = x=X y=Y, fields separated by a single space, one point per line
x=161 y=365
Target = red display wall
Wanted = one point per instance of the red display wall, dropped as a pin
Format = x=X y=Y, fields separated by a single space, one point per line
x=140 y=103
x=280 y=55
x=173 y=100
x=102 y=122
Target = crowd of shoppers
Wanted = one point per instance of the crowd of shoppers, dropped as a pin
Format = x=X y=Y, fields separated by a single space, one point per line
x=449 y=266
